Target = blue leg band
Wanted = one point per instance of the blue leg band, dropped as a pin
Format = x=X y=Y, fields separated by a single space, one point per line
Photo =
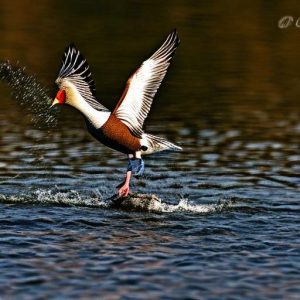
x=137 y=166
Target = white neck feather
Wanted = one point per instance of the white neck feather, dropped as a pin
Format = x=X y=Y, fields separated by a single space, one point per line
x=97 y=118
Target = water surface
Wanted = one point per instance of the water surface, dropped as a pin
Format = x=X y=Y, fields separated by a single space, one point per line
x=228 y=226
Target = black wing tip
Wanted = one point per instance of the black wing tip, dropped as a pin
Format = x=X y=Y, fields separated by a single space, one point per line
x=174 y=42
x=168 y=48
x=74 y=63
x=71 y=57
x=175 y=37
x=70 y=47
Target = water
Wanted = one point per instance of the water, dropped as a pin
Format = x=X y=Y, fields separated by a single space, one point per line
x=227 y=226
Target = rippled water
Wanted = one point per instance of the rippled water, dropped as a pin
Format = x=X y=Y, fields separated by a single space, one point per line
x=227 y=226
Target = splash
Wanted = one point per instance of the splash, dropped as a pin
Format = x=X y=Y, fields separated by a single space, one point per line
x=185 y=206
x=50 y=197
x=136 y=202
x=151 y=203
x=29 y=94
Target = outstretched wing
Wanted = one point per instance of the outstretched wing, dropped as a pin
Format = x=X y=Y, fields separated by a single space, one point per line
x=76 y=70
x=135 y=102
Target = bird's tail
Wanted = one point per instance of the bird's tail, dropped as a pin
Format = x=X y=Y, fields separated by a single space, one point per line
x=157 y=144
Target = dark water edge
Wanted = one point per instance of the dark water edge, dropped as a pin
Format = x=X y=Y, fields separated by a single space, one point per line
x=227 y=223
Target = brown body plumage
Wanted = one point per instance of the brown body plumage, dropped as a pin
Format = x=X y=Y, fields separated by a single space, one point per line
x=116 y=135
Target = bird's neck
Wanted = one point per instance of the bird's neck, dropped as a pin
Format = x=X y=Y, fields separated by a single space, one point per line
x=95 y=117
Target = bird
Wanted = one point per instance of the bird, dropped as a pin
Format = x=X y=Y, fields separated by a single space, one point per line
x=122 y=128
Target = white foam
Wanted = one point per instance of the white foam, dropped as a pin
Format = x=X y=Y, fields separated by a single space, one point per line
x=74 y=198
x=185 y=206
x=71 y=198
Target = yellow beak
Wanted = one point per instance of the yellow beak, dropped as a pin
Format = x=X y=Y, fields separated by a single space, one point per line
x=55 y=101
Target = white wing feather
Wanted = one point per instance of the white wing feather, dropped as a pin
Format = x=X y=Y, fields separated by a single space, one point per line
x=142 y=86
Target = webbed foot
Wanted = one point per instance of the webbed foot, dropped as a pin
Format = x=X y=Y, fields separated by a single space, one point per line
x=124 y=190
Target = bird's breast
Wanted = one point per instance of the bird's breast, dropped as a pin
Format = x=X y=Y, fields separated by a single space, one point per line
x=116 y=135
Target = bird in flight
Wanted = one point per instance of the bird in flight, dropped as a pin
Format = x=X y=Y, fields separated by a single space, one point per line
x=122 y=129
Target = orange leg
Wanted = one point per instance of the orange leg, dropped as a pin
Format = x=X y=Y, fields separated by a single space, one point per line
x=124 y=189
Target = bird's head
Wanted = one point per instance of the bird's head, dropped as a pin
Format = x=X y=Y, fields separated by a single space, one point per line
x=66 y=94
x=75 y=81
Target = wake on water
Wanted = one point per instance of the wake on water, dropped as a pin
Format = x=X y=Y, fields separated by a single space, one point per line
x=134 y=202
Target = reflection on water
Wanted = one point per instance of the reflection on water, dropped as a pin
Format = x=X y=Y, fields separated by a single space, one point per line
x=230 y=99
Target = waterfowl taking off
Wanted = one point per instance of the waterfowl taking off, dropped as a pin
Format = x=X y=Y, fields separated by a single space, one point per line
x=122 y=129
